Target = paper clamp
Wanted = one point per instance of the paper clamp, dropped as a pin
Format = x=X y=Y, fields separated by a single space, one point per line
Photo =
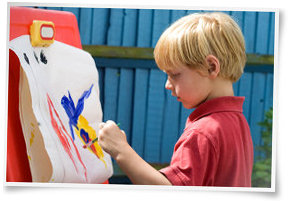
x=42 y=33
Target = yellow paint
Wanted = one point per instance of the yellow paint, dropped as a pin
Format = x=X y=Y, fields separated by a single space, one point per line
x=29 y=157
x=83 y=124
x=32 y=138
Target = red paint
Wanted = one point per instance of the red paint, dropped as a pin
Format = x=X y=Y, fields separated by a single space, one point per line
x=63 y=136
x=92 y=147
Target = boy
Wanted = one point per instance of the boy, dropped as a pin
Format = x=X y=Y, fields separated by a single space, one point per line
x=202 y=54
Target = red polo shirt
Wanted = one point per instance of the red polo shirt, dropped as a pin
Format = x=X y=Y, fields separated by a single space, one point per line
x=215 y=148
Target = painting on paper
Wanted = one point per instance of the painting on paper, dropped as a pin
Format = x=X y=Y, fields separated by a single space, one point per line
x=60 y=112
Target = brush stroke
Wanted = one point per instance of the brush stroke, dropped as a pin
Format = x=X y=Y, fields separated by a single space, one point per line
x=82 y=128
x=72 y=111
x=62 y=135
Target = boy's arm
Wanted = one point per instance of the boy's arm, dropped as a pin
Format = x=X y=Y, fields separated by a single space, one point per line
x=139 y=171
x=113 y=141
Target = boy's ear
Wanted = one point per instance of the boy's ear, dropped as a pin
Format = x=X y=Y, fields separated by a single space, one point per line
x=213 y=65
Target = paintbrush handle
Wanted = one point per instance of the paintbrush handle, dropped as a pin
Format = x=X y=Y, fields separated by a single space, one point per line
x=94 y=140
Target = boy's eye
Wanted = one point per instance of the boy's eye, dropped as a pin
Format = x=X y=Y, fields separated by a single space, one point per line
x=174 y=75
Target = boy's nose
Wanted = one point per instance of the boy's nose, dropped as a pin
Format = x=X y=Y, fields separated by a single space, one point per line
x=168 y=85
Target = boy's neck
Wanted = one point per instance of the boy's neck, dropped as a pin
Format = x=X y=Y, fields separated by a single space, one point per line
x=220 y=88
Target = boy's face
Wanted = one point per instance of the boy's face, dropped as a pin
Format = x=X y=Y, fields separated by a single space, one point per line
x=189 y=86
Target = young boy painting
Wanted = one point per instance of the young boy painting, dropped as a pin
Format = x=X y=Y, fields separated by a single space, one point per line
x=202 y=55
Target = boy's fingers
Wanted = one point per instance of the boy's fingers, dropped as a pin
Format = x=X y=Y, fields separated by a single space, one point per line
x=101 y=125
x=110 y=122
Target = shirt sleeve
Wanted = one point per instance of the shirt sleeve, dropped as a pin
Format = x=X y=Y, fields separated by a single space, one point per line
x=193 y=162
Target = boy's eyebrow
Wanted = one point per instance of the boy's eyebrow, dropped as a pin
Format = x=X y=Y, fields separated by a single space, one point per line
x=167 y=71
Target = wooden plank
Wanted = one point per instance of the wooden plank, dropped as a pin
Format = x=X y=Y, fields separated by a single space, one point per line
x=111 y=87
x=171 y=127
x=111 y=83
x=227 y=12
x=124 y=114
x=55 y=8
x=144 y=38
x=177 y=14
x=272 y=35
x=141 y=84
x=115 y=31
x=238 y=16
x=156 y=95
x=85 y=25
x=154 y=120
x=119 y=52
x=147 y=53
x=150 y=64
x=245 y=88
x=160 y=23
x=100 y=25
x=140 y=111
x=125 y=98
x=249 y=31
x=260 y=68
x=269 y=91
x=253 y=59
x=262 y=38
x=130 y=27
x=126 y=63
x=257 y=108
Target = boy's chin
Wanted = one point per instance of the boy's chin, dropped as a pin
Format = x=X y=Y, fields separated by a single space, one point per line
x=188 y=106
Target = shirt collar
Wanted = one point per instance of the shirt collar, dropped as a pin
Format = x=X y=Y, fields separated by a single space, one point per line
x=220 y=104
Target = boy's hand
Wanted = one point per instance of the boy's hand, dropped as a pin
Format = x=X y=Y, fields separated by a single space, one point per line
x=111 y=139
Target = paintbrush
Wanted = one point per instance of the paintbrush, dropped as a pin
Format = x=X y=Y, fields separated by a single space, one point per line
x=90 y=143
x=93 y=141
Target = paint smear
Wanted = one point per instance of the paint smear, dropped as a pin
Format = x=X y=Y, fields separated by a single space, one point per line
x=88 y=135
x=61 y=131
x=32 y=138
x=85 y=132
x=73 y=111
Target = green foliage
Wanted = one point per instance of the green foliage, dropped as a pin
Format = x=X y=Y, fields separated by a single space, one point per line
x=261 y=176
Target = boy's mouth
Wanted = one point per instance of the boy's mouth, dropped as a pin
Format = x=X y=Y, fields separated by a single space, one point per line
x=175 y=95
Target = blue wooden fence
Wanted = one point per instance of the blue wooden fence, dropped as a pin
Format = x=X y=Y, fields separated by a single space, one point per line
x=132 y=91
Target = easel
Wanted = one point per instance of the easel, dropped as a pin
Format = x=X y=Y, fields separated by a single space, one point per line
x=64 y=25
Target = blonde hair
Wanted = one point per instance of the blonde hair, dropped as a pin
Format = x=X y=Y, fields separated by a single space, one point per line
x=192 y=38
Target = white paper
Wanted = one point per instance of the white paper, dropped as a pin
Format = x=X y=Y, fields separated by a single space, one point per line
x=56 y=77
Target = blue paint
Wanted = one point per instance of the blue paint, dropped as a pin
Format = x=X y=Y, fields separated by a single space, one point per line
x=72 y=111
x=84 y=136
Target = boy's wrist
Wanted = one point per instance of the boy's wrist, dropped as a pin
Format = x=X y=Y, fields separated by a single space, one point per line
x=123 y=154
